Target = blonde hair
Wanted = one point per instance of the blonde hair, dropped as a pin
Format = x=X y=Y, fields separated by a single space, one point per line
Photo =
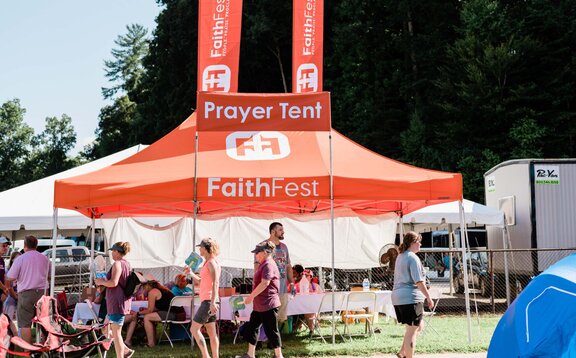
x=213 y=248
x=125 y=246
x=409 y=238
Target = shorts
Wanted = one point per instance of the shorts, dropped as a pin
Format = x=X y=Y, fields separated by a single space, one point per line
x=177 y=313
x=203 y=314
x=410 y=314
x=116 y=318
x=26 y=309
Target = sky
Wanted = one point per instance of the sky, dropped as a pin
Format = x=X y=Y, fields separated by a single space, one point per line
x=52 y=56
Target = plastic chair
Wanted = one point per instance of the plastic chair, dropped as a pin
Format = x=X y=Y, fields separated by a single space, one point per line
x=435 y=295
x=186 y=302
x=360 y=305
x=325 y=312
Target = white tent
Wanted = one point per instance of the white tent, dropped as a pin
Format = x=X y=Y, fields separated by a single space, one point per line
x=31 y=206
x=448 y=213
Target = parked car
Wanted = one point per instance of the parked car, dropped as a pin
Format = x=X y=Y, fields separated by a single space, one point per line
x=72 y=264
x=478 y=275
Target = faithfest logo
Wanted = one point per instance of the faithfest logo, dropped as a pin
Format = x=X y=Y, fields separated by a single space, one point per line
x=264 y=145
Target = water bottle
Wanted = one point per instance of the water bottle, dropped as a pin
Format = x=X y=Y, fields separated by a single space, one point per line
x=304 y=286
x=365 y=285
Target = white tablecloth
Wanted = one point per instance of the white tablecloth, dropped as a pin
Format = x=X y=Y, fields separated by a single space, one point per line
x=309 y=303
x=299 y=304
x=84 y=313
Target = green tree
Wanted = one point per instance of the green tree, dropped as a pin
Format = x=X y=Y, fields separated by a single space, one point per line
x=50 y=148
x=167 y=94
x=126 y=69
x=126 y=73
x=15 y=139
x=505 y=89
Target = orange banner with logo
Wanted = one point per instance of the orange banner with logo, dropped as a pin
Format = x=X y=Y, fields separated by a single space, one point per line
x=219 y=27
x=262 y=189
x=260 y=112
x=307 y=45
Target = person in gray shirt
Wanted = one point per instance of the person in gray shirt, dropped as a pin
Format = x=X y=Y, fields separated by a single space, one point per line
x=409 y=291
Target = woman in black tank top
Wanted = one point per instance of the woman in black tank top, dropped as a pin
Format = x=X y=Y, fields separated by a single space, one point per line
x=159 y=298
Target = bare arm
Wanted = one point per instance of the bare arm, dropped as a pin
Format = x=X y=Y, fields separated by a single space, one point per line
x=257 y=290
x=153 y=295
x=424 y=290
x=215 y=276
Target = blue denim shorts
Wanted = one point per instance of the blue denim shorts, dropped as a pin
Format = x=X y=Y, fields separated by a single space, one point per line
x=116 y=318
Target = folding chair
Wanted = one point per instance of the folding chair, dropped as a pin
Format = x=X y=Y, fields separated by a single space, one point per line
x=325 y=312
x=435 y=295
x=51 y=323
x=5 y=339
x=186 y=302
x=66 y=310
x=360 y=305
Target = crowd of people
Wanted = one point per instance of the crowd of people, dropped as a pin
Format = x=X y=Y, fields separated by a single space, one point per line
x=275 y=279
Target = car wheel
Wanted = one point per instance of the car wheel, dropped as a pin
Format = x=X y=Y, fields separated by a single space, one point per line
x=458 y=288
x=484 y=292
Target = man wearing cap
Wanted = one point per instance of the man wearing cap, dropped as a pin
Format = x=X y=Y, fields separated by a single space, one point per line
x=266 y=301
x=4 y=245
x=282 y=258
x=31 y=270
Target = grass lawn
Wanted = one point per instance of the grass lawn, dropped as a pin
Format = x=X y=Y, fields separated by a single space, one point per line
x=452 y=336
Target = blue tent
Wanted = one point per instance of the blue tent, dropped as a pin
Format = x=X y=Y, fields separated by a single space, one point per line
x=541 y=322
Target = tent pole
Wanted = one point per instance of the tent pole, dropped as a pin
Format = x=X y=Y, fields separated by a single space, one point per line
x=332 y=242
x=92 y=238
x=195 y=195
x=450 y=263
x=505 y=240
x=401 y=226
x=53 y=264
x=465 y=267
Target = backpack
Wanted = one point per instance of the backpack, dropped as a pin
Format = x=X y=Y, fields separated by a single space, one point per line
x=132 y=281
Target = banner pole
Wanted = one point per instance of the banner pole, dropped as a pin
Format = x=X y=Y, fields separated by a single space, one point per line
x=332 y=241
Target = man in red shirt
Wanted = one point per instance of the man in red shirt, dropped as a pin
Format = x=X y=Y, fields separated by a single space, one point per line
x=266 y=300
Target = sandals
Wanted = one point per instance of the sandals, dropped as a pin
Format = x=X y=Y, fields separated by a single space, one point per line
x=130 y=353
x=400 y=355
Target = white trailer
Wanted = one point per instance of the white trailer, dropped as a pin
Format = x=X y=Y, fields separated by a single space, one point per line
x=538 y=197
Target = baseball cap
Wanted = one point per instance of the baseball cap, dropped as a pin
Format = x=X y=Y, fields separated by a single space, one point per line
x=205 y=243
x=4 y=240
x=116 y=248
x=266 y=246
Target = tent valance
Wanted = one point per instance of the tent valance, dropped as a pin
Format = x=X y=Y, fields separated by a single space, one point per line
x=240 y=173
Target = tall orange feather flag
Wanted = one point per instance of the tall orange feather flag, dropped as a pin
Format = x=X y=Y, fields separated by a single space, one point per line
x=219 y=27
x=307 y=45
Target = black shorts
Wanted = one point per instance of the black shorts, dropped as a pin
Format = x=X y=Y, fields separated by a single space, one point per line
x=203 y=314
x=410 y=314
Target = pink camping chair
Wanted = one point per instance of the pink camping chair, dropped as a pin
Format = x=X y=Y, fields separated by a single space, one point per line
x=5 y=339
x=58 y=344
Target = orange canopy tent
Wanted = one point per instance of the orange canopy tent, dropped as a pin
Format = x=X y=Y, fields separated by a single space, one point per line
x=289 y=172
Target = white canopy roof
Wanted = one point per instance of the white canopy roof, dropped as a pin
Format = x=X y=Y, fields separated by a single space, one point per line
x=32 y=205
x=449 y=213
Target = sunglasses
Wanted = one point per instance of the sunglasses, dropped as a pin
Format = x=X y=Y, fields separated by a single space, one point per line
x=5 y=245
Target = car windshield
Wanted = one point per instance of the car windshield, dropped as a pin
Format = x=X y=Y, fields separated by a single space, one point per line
x=478 y=258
